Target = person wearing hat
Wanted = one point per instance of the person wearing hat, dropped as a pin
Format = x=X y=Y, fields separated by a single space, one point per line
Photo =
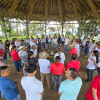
x=66 y=43
x=32 y=86
x=44 y=67
x=16 y=58
x=77 y=46
x=24 y=58
x=8 y=87
x=61 y=55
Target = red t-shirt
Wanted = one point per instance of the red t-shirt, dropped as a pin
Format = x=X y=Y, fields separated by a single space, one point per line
x=57 y=68
x=1 y=53
x=96 y=85
x=14 y=55
x=73 y=51
x=73 y=64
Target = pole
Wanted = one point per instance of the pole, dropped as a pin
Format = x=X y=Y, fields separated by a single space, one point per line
x=45 y=28
x=27 y=28
x=62 y=26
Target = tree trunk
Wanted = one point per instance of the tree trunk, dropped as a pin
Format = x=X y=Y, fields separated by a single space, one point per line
x=27 y=27
x=45 y=28
x=4 y=26
x=80 y=28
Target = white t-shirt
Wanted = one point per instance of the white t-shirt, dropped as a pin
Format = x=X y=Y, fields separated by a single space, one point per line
x=97 y=49
x=62 y=57
x=17 y=43
x=55 y=41
x=27 y=41
x=66 y=41
x=63 y=39
x=33 y=87
x=91 y=64
x=2 y=47
x=91 y=49
x=44 y=65
x=49 y=39
x=83 y=42
x=35 y=51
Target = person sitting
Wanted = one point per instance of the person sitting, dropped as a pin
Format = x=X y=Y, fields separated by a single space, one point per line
x=94 y=90
x=16 y=58
x=57 y=69
x=74 y=63
x=44 y=65
x=24 y=58
x=61 y=55
x=73 y=50
x=7 y=86
x=32 y=86
x=69 y=88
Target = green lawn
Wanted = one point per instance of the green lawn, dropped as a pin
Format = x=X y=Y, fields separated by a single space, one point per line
x=19 y=37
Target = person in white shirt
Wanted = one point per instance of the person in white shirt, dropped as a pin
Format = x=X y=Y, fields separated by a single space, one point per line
x=77 y=46
x=27 y=40
x=91 y=49
x=66 y=43
x=61 y=55
x=55 y=42
x=83 y=44
x=97 y=46
x=17 y=43
x=91 y=65
x=33 y=47
x=49 y=41
x=62 y=40
x=44 y=65
x=32 y=86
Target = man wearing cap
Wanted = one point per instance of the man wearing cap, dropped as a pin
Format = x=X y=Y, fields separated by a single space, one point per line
x=61 y=55
x=24 y=57
x=32 y=86
x=44 y=67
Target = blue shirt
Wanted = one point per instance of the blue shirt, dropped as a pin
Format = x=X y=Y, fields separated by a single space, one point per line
x=69 y=89
x=8 y=88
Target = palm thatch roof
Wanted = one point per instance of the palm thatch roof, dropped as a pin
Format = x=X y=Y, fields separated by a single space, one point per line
x=50 y=10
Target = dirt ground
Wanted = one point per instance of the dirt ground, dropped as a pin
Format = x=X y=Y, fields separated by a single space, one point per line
x=51 y=94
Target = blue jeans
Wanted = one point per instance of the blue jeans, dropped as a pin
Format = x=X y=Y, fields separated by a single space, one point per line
x=43 y=44
x=54 y=46
x=86 y=50
x=82 y=48
x=17 y=98
x=98 y=69
x=66 y=48
x=9 y=53
x=49 y=44
x=17 y=65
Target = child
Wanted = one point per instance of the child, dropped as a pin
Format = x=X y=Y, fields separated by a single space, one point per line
x=8 y=87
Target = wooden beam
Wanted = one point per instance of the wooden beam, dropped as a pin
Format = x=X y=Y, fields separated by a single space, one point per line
x=31 y=4
x=60 y=9
x=92 y=6
x=13 y=7
x=46 y=8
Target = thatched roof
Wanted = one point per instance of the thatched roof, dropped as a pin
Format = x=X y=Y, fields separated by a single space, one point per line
x=56 y=10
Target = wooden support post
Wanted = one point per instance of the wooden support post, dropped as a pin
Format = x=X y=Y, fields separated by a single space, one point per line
x=45 y=28
x=27 y=28
x=62 y=26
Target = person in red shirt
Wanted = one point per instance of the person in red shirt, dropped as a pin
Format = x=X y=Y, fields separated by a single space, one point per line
x=16 y=58
x=94 y=90
x=74 y=63
x=73 y=50
x=57 y=69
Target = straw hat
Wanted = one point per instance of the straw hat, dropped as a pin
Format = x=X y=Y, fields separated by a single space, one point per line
x=21 y=47
x=43 y=55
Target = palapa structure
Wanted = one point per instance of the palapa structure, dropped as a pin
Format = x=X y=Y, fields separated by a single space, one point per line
x=50 y=10
x=57 y=10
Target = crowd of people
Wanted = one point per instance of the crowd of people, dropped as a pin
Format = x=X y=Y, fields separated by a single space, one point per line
x=29 y=54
